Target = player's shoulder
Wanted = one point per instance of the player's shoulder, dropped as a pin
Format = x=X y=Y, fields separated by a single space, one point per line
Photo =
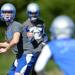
x=17 y=23
x=52 y=42
x=72 y=40
x=17 y=26
x=26 y=22
x=61 y=41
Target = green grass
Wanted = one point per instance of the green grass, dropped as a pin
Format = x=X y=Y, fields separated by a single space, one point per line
x=6 y=59
x=52 y=69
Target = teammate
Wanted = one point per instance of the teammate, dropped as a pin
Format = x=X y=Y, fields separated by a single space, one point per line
x=62 y=46
x=35 y=30
x=14 y=39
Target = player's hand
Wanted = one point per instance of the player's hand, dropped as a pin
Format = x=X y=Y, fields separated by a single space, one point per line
x=29 y=34
x=2 y=50
x=6 y=44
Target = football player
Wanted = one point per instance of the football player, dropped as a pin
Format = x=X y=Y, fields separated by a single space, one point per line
x=35 y=29
x=14 y=39
x=62 y=46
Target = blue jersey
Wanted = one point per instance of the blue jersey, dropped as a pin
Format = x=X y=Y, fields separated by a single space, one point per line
x=63 y=52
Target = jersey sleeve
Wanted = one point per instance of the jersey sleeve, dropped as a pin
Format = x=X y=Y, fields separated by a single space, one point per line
x=17 y=27
x=43 y=59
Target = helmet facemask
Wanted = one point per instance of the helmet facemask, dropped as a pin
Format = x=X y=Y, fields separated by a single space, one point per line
x=33 y=16
x=7 y=16
x=33 y=11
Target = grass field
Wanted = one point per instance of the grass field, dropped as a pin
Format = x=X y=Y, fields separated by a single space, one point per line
x=6 y=59
x=52 y=69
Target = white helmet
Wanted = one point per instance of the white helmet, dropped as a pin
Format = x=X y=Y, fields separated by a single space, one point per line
x=62 y=27
x=8 y=8
x=33 y=11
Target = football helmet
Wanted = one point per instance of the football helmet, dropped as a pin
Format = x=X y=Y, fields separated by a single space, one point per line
x=62 y=27
x=33 y=11
x=8 y=12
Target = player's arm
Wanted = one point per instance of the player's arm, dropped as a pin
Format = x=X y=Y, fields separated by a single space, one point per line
x=43 y=59
x=10 y=44
x=14 y=40
x=4 y=44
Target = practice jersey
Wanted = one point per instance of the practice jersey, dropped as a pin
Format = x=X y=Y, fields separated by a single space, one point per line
x=38 y=31
x=11 y=29
x=63 y=52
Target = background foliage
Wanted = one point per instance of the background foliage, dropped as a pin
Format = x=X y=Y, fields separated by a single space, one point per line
x=49 y=10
